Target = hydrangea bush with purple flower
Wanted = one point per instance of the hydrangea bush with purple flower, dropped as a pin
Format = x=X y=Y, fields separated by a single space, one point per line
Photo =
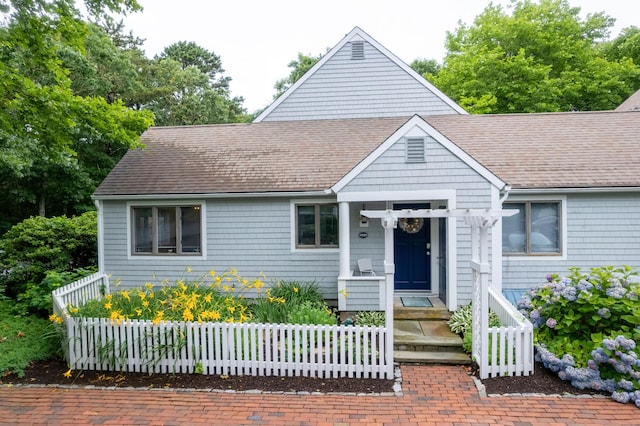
x=587 y=329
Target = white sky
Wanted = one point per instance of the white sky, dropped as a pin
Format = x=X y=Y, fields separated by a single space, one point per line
x=256 y=39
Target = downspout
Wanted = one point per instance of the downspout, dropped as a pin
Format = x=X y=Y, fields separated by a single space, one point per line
x=98 y=204
x=505 y=194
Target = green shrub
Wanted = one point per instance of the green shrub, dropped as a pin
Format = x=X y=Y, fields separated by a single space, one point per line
x=587 y=329
x=36 y=299
x=281 y=300
x=38 y=245
x=311 y=313
x=574 y=314
x=24 y=339
x=296 y=292
x=371 y=318
x=461 y=320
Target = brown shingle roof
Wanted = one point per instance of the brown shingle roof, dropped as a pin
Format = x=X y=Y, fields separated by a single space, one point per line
x=554 y=150
x=236 y=158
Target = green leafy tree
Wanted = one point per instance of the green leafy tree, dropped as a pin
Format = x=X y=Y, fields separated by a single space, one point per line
x=189 y=54
x=425 y=67
x=298 y=68
x=186 y=87
x=44 y=121
x=626 y=45
x=541 y=57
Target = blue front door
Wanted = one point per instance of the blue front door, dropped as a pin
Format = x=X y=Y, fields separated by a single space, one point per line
x=412 y=252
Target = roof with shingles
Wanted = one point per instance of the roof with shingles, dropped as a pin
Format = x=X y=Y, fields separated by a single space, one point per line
x=528 y=151
x=552 y=150
x=286 y=156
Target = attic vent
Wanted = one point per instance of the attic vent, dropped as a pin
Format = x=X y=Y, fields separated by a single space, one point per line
x=357 y=50
x=415 y=150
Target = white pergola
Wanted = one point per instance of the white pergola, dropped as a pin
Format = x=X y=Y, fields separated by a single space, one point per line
x=480 y=220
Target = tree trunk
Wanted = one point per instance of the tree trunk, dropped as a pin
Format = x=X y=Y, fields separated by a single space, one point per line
x=41 y=205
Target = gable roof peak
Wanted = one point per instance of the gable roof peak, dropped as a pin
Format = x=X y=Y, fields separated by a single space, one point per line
x=359 y=34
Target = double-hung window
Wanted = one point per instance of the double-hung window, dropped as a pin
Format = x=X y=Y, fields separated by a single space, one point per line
x=534 y=230
x=166 y=230
x=316 y=225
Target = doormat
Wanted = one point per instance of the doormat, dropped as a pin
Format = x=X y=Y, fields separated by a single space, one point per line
x=416 y=302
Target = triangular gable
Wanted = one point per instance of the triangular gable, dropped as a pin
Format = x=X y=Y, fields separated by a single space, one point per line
x=417 y=121
x=359 y=35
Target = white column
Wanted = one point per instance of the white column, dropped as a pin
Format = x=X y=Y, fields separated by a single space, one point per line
x=345 y=254
x=389 y=223
x=484 y=300
x=344 y=240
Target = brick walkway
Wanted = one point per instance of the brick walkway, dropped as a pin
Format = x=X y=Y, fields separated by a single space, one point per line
x=431 y=395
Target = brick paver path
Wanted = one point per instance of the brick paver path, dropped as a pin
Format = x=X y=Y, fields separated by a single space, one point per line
x=431 y=395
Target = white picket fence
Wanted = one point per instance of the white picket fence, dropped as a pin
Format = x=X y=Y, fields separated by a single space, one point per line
x=511 y=345
x=217 y=348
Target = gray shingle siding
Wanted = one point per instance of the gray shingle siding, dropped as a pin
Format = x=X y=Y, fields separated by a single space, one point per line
x=603 y=229
x=250 y=235
x=346 y=88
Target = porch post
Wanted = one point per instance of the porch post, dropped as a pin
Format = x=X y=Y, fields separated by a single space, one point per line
x=344 y=240
x=484 y=298
x=345 y=253
x=389 y=223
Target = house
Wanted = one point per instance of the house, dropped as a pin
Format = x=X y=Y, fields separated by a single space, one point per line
x=360 y=132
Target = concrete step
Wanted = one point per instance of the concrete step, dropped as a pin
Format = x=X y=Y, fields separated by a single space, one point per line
x=435 y=314
x=425 y=335
x=409 y=357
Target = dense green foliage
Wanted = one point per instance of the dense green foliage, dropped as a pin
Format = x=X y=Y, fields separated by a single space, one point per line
x=24 y=339
x=587 y=329
x=190 y=88
x=574 y=314
x=540 y=57
x=45 y=126
x=77 y=94
x=371 y=318
x=292 y=302
x=36 y=251
x=625 y=46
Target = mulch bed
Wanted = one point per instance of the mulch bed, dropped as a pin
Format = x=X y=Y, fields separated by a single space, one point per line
x=543 y=381
x=52 y=372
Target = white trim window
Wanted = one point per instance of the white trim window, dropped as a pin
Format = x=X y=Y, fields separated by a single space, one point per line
x=166 y=230
x=536 y=230
x=316 y=225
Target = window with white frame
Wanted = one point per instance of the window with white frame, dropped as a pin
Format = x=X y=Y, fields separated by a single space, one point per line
x=166 y=230
x=534 y=230
x=316 y=225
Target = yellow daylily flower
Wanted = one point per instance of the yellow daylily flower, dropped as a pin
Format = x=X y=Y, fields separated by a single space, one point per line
x=67 y=374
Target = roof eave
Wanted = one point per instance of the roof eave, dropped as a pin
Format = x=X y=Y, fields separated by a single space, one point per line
x=575 y=190
x=179 y=196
